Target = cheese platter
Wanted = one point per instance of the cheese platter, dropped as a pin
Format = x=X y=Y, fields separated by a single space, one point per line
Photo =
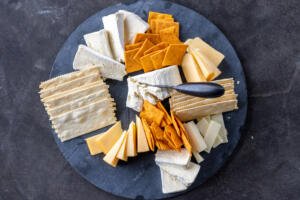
x=146 y=100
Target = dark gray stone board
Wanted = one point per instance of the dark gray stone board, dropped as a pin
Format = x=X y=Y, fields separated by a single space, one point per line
x=140 y=177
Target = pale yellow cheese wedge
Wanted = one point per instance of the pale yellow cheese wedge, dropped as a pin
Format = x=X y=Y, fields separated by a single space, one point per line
x=122 y=154
x=131 y=141
x=110 y=137
x=142 y=144
x=191 y=70
x=111 y=156
x=212 y=54
x=209 y=70
x=211 y=134
x=92 y=143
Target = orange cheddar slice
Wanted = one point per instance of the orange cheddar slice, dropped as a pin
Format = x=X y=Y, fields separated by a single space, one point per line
x=157 y=58
x=174 y=54
x=146 y=45
x=154 y=38
x=130 y=63
x=159 y=46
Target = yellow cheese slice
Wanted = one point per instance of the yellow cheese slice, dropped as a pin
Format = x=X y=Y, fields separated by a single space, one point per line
x=208 y=51
x=142 y=144
x=111 y=156
x=191 y=70
x=131 y=141
x=92 y=143
x=122 y=154
x=110 y=137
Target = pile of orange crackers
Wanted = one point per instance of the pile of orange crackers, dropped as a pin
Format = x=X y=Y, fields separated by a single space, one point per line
x=163 y=130
x=159 y=47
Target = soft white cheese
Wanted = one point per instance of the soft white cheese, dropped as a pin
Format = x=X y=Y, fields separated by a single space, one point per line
x=170 y=184
x=133 y=24
x=99 y=42
x=109 y=68
x=138 y=90
x=185 y=174
x=114 y=24
x=173 y=157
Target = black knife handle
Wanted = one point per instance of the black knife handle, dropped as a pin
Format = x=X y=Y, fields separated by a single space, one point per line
x=201 y=89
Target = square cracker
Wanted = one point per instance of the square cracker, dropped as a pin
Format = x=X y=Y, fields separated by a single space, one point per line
x=174 y=54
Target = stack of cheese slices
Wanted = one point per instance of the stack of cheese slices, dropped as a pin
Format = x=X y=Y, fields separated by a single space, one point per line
x=117 y=144
x=188 y=107
x=76 y=103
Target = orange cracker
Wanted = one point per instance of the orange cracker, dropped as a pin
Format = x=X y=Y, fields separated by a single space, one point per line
x=133 y=46
x=160 y=25
x=147 y=62
x=158 y=46
x=155 y=15
x=158 y=58
x=174 y=54
x=146 y=45
x=130 y=64
x=154 y=38
x=170 y=38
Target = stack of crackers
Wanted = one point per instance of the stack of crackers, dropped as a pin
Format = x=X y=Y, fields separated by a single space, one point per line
x=163 y=130
x=188 y=107
x=158 y=48
x=77 y=103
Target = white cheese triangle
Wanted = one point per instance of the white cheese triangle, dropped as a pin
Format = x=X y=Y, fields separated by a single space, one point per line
x=181 y=157
x=142 y=144
x=133 y=24
x=114 y=24
x=86 y=57
x=170 y=184
x=131 y=140
x=99 y=42
x=185 y=174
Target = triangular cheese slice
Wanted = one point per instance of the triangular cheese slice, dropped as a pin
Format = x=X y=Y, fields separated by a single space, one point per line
x=111 y=156
x=92 y=143
x=142 y=144
x=122 y=154
x=131 y=140
x=110 y=137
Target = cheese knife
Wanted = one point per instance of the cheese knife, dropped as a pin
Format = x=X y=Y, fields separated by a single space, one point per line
x=197 y=89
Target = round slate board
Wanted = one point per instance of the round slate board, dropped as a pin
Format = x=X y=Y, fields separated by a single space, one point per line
x=140 y=177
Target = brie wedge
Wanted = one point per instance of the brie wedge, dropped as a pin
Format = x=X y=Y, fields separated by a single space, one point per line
x=181 y=157
x=185 y=174
x=170 y=184
x=138 y=90
x=99 y=42
x=133 y=24
x=109 y=68
x=114 y=24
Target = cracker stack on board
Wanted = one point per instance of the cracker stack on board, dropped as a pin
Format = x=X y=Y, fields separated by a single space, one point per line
x=78 y=103
x=189 y=107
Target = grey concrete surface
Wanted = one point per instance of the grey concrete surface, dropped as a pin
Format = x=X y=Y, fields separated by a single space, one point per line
x=266 y=36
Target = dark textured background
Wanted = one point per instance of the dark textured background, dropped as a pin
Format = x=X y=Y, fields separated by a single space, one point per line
x=266 y=35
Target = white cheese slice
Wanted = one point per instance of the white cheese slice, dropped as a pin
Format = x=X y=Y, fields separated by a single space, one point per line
x=223 y=132
x=99 y=42
x=211 y=134
x=86 y=57
x=170 y=184
x=181 y=157
x=111 y=156
x=185 y=174
x=198 y=157
x=197 y=140
x=133 y=24
x=114 y=24
x=139 y=90
x=142 y=144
